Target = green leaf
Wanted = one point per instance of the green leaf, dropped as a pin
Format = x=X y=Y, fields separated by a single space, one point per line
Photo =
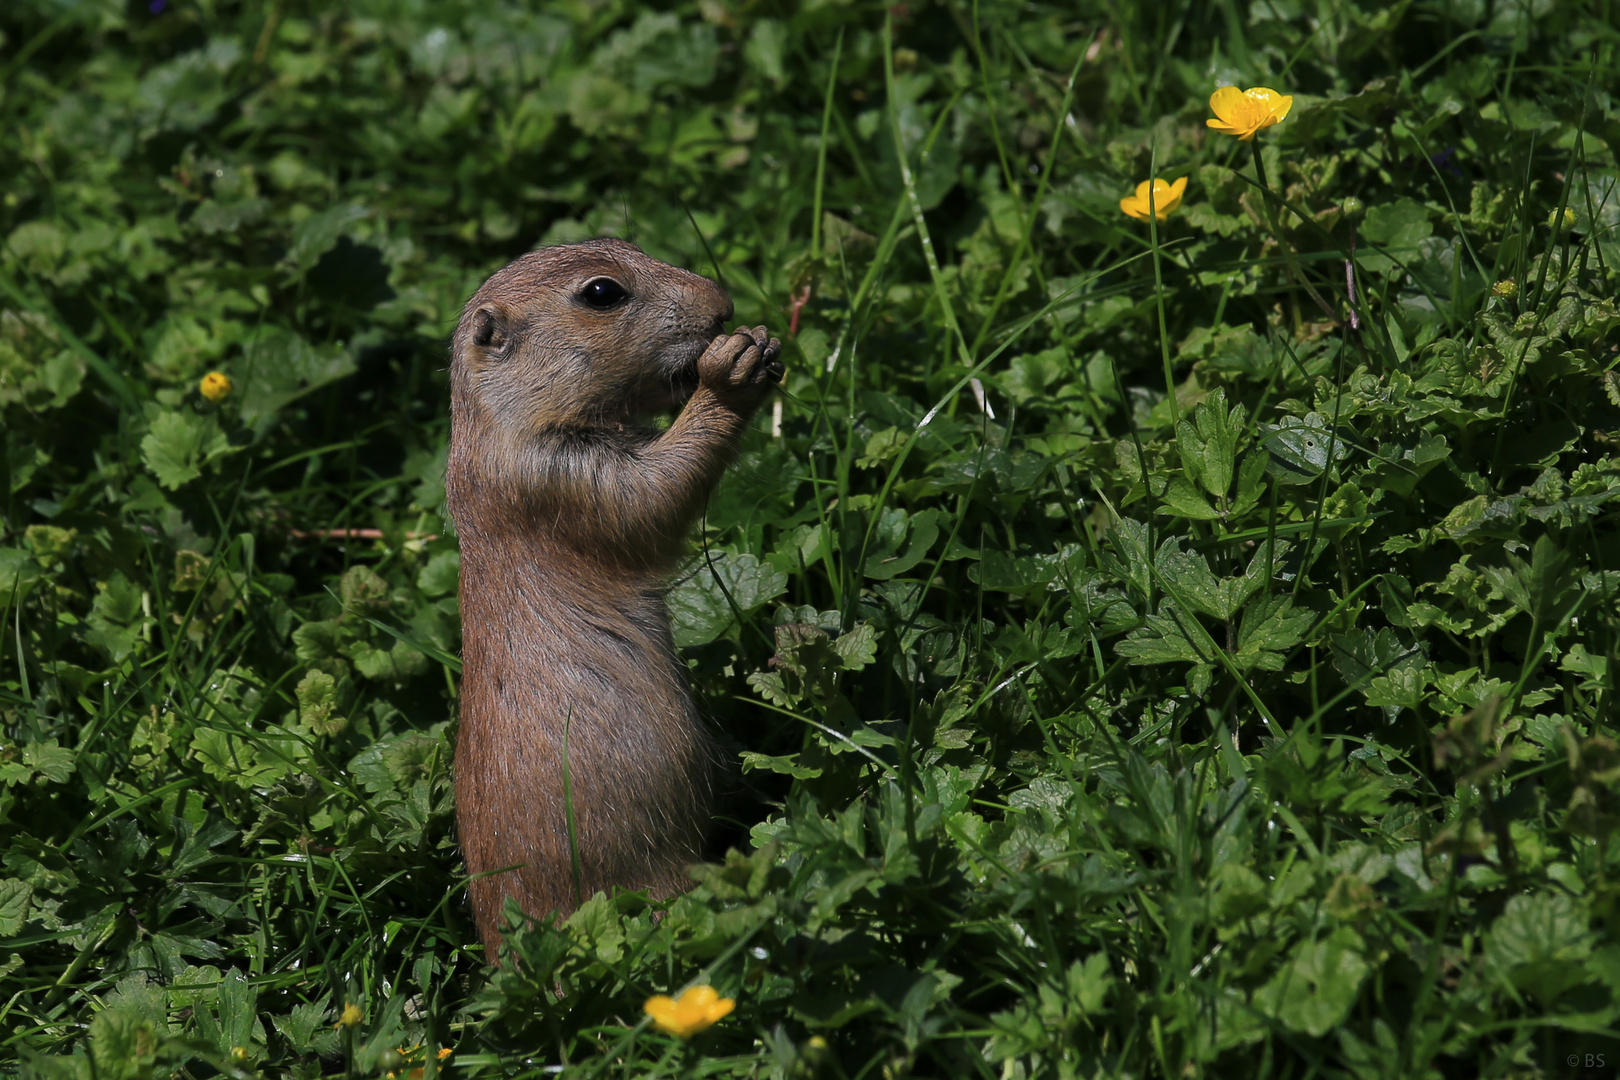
x=51 y=761
x=1181 y=498
x=441 y=576
x=123 y=1046
x=280 y=367
x=787 y=765
x=698 y=605
x=1130 y=538
x=1314 y=991
x=1538 y=943
x=1270 y=626
x=306 y=1027
x=194 y=986
x=319 y=708
x=14 y=897
x=1397 y=227
x=179 y=444
x=1165 y=638
x=1208 y=442
x=887 y=560
x=320 y=232
x=1299 y=448
x=1389 y=673
x=1543 y=588
x=857 y=648
x=315 y=641
x=230 y=1022
x=1251 y=483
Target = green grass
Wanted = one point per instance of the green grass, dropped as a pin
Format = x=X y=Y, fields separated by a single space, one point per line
x=1137 y=656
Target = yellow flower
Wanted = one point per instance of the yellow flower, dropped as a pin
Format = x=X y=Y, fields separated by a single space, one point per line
x=1244 y=112
x=216 y=386
x=351 y=1017
x=697 y=1008
x=1166 y=197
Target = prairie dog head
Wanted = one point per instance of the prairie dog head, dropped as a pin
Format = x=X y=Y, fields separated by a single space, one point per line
x=592 y=334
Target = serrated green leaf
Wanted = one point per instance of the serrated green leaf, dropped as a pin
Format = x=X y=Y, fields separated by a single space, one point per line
x=1165 y=638
x=123 y=1046
x=1251 y=483
x=1544 y=587
x=1208 y=442
x=51 y=761
x=1271 y=625
x=1314 y=991
x=315 y=641
x=1537 y=943
x=279 y=368
x=698 y=606
x=1186 y=579
x=320 y=232
x=178 y=444
x=319 y=708
x=786 y=765
x=858 y=647
x=1299 y=448
x=301 y=1026
x=194 y=986
x=441 y=576
x=14 y=897
x=887 y=560
x=1181 y=498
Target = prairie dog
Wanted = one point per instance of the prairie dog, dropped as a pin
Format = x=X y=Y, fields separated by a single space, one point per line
x=571 y=514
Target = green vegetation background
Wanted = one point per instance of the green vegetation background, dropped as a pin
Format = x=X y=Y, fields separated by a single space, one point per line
x=1139 y=655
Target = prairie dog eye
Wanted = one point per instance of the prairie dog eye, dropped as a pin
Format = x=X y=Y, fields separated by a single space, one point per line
x=603 y=293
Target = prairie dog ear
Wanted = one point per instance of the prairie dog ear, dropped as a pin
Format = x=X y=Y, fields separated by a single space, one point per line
x=490 y=330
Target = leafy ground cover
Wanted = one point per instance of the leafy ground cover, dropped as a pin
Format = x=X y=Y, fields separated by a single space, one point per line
x=1165 y=644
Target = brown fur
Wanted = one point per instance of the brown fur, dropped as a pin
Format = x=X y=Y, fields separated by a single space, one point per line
x=571 y=515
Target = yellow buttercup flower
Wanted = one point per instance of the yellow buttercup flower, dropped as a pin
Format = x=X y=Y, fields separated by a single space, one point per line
x=350 y=1017
x=1166 y=197
x=698 y=1008
x=1244 y=112
x=216 y=386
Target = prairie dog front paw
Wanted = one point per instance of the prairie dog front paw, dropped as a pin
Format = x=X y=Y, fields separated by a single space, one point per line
x=741 y=367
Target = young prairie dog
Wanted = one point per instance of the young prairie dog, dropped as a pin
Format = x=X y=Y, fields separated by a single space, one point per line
x=571 y=514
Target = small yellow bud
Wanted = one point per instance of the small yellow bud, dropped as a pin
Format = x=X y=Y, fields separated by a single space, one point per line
x=351 y=1017
x=1507 y=290
x=238 y=1053
x=216 y=386
x=1354 y=209
x=1561 y=224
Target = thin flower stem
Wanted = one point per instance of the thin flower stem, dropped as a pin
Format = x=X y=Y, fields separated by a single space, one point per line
x=1158 y=293
x=1276 y=232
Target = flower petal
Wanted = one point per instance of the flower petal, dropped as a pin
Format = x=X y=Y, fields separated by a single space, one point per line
x=665 y=1013
x=1228 y=104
